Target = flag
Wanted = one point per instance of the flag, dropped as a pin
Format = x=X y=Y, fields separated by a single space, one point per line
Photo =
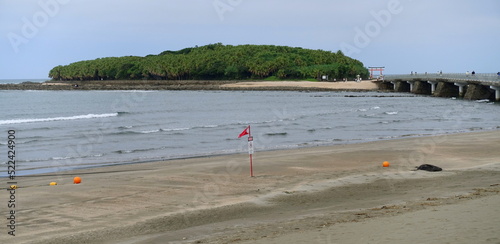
x=245 y=132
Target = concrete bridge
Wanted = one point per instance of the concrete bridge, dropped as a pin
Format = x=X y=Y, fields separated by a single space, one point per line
x=467 y=86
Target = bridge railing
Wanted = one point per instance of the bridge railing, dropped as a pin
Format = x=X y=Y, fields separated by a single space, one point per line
x=489 y=77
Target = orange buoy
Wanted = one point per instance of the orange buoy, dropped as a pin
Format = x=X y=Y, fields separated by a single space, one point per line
x=77 y=180
x=386 y=164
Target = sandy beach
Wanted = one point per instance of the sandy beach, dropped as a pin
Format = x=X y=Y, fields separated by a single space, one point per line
x=196 y=85
x=349 y=85
x=334 y=194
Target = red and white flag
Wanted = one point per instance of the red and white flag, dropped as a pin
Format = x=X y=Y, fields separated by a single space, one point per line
x=245 y=132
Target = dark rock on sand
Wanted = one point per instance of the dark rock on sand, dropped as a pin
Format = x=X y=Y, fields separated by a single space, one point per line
x=429 y=167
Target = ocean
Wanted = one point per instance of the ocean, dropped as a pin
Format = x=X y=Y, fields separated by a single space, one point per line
x=63 y=130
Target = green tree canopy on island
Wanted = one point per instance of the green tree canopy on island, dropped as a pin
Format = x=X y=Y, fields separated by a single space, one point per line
x=217 y=62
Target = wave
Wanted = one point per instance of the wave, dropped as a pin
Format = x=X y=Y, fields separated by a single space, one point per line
x=77 y=117
x=59 y=158
x=42 y=128
x=175 y=129
x=125 y=127
x=125 y=133
x=277 y=134
x=369 y=116
x=340 y=127
x=162 y=130
x=391 y=113
x=139 y=150
x=150 y=131
x=208 y=126
x=483 y=101
x=129 y=132
x=391 y=121
x=38 y=139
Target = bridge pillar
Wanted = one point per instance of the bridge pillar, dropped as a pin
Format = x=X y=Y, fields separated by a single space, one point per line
x=477 y=91
x=400 y=86
x=433 y=86
x=421 y=87
x=461 y=86
x=497 y=92
x=445 y=89
x=412 y=83
x=394 y=84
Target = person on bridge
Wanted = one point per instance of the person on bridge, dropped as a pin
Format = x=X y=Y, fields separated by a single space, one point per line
x=467 y=73
x=473 y=73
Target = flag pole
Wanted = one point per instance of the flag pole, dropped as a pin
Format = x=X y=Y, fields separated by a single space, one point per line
x=250 y=140
x=250 y=146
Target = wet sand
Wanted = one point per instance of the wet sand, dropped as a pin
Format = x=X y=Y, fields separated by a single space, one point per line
x=334 y=194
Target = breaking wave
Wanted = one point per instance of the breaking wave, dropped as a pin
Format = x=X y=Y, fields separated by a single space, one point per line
x=77 y=117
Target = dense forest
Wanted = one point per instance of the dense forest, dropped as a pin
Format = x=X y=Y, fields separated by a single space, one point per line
x=217 y=62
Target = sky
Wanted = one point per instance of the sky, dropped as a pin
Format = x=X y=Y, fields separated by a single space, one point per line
x=401 y=35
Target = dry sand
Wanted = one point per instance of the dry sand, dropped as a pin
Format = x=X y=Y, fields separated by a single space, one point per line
x=336 y=194
x=350 y=85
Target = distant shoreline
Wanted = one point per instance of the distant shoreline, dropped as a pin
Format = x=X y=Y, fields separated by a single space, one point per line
x=195 y=85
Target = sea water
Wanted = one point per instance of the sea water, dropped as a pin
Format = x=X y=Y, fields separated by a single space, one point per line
x=62 y=130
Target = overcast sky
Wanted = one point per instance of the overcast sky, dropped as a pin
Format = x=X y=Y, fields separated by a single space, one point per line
x=402 y=35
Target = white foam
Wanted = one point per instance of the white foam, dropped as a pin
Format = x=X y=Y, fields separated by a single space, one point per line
x=483 y=101
x=150 y=131
x=87 y=116
x=175 y=129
